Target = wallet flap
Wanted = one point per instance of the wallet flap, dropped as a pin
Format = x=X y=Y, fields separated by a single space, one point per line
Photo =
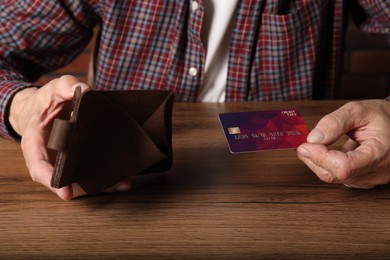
x=159 y=128
x=139 y=104
x=158 y=125
x=155 y=118
x=61 y=132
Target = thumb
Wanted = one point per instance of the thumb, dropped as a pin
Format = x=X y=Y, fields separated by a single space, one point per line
x=54 y=97
x=332 y=126
x=67 y=92
x=63 y=88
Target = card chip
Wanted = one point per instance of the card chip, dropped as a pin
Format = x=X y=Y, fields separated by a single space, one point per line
x=234 y=130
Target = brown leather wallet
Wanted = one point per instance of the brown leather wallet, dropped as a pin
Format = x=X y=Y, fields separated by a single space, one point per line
x=112 y=135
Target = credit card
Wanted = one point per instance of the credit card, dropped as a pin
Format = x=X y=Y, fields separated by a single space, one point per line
x=263 y=130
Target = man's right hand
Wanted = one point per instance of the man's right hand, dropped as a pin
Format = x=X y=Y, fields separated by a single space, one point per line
x=32 y=113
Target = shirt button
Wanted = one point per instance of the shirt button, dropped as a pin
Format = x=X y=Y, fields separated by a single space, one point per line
x=193 y=71
x=194 y=6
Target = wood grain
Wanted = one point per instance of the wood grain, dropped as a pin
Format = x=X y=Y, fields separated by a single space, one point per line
x=211 y=204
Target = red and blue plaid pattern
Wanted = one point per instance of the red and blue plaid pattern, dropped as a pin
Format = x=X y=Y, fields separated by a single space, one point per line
x=279 y=50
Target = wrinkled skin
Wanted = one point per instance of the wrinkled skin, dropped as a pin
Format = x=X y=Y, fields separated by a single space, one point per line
x=364 y=160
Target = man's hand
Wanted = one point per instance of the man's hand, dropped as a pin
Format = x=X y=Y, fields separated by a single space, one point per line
x=32 y=113
x=364 y=160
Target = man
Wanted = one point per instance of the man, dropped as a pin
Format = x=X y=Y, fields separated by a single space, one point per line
x=202 y=50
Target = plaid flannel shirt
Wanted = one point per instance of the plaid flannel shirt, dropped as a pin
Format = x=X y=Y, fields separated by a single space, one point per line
x=279 y=50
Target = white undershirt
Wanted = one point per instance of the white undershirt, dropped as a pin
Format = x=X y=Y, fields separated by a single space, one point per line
x=216 y=32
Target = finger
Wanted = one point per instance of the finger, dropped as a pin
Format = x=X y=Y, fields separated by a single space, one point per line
x=327 y=177
x=349 y=145
x=73 y=191
x=63 y=88
x=77 y=190
x=342 y=166
x=41 y=172
x=360 y=186
x=65 y=193
x=370 y=179
x=321 y=173
x=120 y=187
x=366 y=181
x=55 y=101
x=38 y=159
x=70 y=192
x=334 y=125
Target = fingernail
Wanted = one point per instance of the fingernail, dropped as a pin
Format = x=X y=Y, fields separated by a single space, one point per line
x=302 y=151
x=315 y=136
x=62 y=194
x=80 y=84
x=122 y=187
x=362 y=187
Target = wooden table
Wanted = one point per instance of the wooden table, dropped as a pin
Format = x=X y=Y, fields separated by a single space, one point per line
x=211 y=204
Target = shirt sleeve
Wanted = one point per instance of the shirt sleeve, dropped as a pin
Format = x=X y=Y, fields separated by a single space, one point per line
x=372 y=16
x=37 y=37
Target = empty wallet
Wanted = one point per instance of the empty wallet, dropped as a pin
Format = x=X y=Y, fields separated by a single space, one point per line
x=111 y=136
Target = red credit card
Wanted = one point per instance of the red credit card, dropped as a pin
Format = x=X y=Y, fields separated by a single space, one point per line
x=263 y=130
